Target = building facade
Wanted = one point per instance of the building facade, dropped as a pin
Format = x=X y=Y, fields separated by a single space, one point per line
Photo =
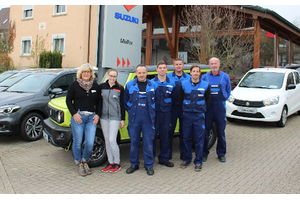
x=74 y=30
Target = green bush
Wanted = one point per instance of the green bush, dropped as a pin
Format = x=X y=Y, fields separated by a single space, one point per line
x=50 y=59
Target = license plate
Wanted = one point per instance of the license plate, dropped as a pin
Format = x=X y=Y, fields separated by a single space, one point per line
x=246 y=110
x=45 y=136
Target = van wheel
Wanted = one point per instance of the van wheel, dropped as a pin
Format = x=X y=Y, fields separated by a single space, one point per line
x=31 y=127
x=98 y=156
x=283 y=118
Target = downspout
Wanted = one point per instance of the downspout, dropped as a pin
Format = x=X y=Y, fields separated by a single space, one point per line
x=89 y=35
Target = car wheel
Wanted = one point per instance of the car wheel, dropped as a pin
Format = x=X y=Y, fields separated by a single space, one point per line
x=98 y=156
x=283 y=118
x=212 y=136
x=31 y=127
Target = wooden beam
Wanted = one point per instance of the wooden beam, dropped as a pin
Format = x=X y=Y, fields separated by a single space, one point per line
x=168 y=37
x=276 y=49
x=256 y=43
x=290 y=51
x=175 y=30
x=149 y=32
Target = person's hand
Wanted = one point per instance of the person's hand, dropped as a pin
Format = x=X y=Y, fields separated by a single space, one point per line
x=77 y=118
x=122 y=123
x=96 y=119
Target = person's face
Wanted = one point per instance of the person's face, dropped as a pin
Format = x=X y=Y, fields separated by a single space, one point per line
x=86 y=75
x=112 y=77
x=195 y=73
x=162 y=69
x=141 y=73
x=214 y=65
x=178 y=65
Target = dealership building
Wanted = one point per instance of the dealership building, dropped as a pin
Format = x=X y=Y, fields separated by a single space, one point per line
x=124 y=36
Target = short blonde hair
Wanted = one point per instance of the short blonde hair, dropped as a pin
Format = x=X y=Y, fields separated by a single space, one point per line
x=85 y=67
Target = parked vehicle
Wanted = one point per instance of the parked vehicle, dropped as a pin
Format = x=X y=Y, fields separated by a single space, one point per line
x=7 y=74
x=23 y=105
x=57 y=129
x=15 y=78
x=265 y=94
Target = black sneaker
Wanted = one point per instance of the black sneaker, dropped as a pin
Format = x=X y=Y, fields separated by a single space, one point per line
x=149 y=170
x=167 y=163
x=198 y=167
x=222 y=158
x=184 y=164
x=204 y=158
x=132 y=169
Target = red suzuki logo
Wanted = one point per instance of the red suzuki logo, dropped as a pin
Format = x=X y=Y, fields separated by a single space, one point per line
x=129 y=7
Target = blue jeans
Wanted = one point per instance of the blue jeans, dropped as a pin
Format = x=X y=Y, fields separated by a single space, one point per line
x=86 y=130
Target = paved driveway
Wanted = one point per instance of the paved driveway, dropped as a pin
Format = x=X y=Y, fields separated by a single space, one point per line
x=261 y=158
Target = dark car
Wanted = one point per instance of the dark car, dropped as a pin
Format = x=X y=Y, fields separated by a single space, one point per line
x=7 y=74
x=15 y=78
x=23 y=105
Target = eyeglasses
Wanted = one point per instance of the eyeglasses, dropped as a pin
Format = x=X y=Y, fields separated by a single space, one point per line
x=86 y=72
x=113 y=76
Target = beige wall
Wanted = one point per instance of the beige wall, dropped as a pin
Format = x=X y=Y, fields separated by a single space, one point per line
x=74 y=25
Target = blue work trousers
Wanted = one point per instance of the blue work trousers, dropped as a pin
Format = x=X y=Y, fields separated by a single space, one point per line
x=194 y=125
x=216 y=112
x=175 y=113
x=142 y=123
x=162 y=127
x=86 y=130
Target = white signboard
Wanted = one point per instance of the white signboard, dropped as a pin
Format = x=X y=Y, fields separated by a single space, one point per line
x=122 y=36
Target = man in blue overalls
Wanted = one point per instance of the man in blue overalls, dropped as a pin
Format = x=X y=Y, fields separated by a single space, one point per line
x=163 y=106
x=139 y=100
x=220 y=92
x=177 y=76
x=194 y=97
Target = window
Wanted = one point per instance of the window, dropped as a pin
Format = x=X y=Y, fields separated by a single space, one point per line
x=63 y=82
x=26 y=46
x=59 y=9
x=297 y=77
x=28 y=12
x=290 y=79
x=58 y=43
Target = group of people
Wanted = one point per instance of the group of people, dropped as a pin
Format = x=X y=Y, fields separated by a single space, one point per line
x=153 y=107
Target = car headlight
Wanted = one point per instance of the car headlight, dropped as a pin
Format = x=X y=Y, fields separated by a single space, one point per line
x=271 y=101
x=7 y=109
x=231 y=99
x=60 y=117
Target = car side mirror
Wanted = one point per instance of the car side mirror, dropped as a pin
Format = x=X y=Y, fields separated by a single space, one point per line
x=291 y=86
x=57 y=91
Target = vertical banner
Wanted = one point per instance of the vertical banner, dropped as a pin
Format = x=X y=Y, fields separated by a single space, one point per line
x=122 y=36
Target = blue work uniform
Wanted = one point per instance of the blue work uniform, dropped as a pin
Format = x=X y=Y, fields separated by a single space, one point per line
x=163 y=107
x=194 y=98
x=216 y=112
x=141 y=118
x=176 y=109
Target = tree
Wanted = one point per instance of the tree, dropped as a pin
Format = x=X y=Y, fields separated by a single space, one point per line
x=218 y=31
x=37 y=47
x=296 y=21
x=6 y=47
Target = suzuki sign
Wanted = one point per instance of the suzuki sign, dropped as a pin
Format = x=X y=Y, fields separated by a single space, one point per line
x=122 y=36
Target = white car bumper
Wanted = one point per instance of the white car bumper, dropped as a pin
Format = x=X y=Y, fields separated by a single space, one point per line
x=266 y=113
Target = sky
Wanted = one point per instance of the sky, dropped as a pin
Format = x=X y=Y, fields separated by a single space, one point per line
x=289 y=11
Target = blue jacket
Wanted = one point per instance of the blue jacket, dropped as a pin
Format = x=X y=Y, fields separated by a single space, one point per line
x=220 y=79
x=194 y=96
x=172 y=76
x=131 y=96
x=163 y=94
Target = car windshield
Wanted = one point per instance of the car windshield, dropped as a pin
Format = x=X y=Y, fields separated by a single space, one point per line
x=4 y=76
x=32 y=83
x=122 y=77
x=13 y=79
x=267 y=80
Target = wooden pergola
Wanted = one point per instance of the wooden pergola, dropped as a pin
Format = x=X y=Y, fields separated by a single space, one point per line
x=263 y=18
